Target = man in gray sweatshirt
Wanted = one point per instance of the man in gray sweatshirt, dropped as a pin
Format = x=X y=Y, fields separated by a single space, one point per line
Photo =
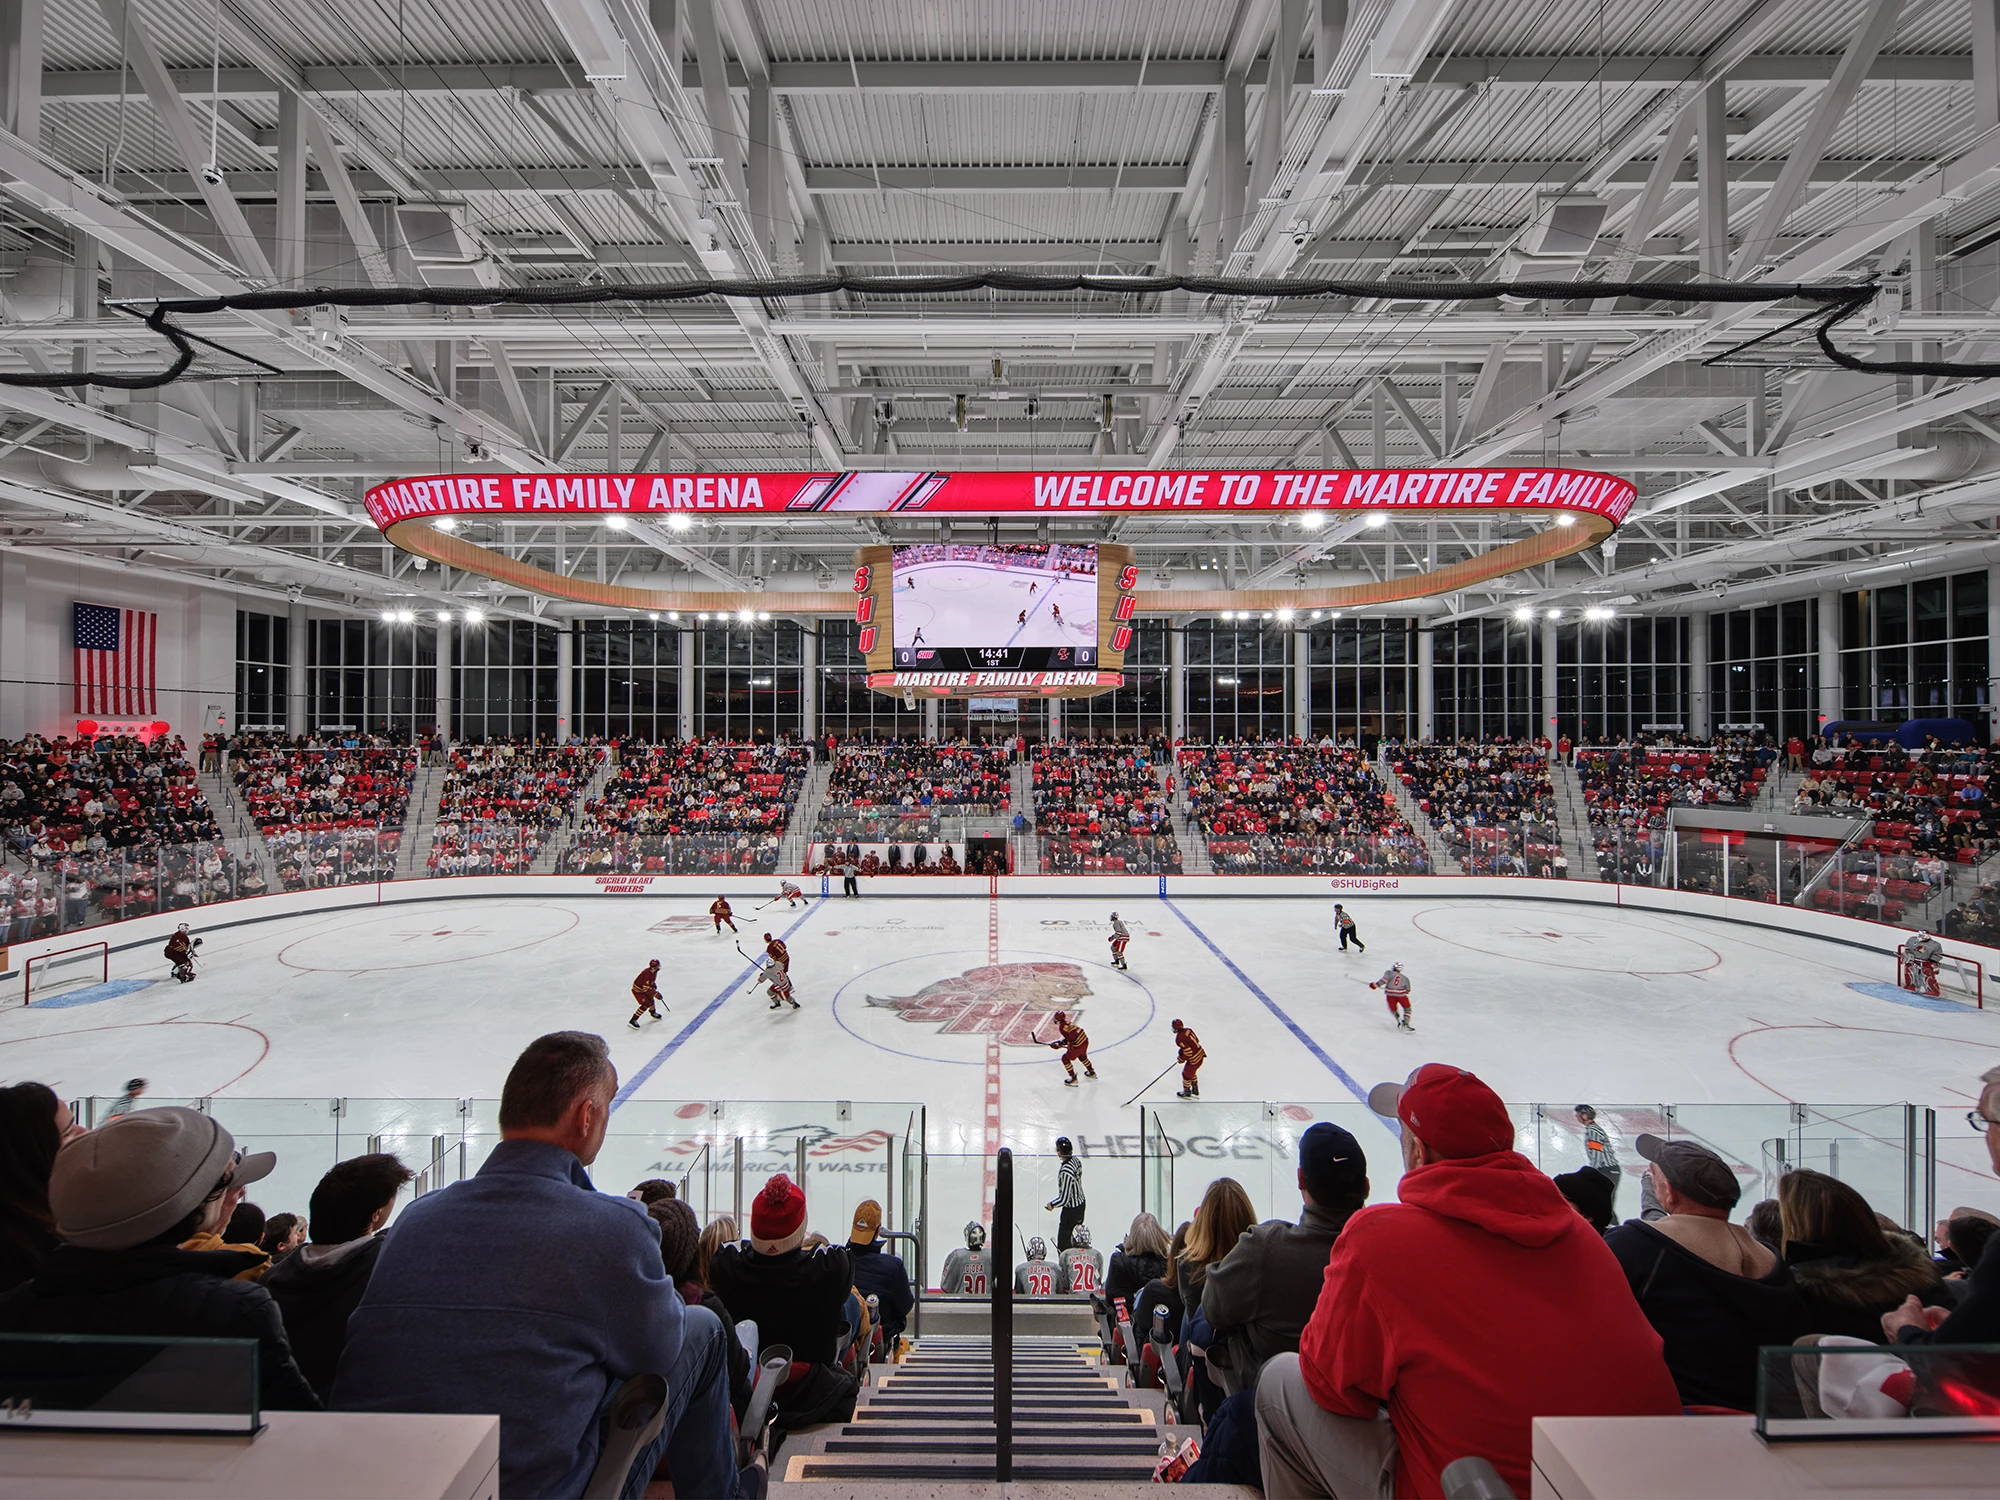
x=1259 y=1297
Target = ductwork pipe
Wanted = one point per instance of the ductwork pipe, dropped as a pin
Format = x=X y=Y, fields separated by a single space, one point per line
x=1923 y=562
x=1936 y=458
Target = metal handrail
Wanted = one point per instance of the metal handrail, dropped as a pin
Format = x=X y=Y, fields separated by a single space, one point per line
x=916 y=1282
x=1003 y=1322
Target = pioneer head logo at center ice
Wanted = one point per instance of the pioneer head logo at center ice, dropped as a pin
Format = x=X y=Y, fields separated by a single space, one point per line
x=1009 y=1002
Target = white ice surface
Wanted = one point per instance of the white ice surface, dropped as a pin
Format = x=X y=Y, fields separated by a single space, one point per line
x=1548 y=1002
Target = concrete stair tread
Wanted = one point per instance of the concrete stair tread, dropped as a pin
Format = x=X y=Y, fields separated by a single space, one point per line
x=1066 y=1466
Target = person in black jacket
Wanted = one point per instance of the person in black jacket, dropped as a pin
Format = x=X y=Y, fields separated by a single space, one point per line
x=795 y=1296
x=123 y=1198
x=1976 y=1320
x=34 y=1124
x=1848 y=1270
x=877 y=1273
x=1140 y=1257
x=320 y=1283
x=680 y=1250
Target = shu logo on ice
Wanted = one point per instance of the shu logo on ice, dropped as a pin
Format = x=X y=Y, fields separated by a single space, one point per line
x=691 y=923
x=1008 y=1002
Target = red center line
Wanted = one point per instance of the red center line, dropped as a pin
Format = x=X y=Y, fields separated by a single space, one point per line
x=992 y=1137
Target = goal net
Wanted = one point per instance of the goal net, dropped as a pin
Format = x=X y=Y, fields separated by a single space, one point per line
x=1959 y=977
x=67 y=969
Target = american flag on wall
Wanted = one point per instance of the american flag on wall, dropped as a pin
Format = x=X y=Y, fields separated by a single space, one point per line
x=114 y=659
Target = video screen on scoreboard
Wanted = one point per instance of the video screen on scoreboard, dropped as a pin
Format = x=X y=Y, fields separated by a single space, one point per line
x=959 y=606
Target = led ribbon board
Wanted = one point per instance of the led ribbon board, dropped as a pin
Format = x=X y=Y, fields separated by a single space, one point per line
x=1571 y=509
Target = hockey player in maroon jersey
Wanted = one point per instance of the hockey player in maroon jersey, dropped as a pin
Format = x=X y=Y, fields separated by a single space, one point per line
x=1074 y=1044
x=719 y=909
x=646 y=995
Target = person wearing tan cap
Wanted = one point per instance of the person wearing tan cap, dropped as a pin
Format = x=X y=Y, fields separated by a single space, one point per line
x=877 y=1273
x=124 y=1197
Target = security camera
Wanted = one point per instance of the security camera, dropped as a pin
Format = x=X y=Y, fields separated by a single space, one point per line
x=295 y=592
x=476 y=450
x=1299 y=239
x=211 y=173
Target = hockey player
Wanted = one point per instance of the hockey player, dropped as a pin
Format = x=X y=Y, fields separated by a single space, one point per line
x=1920 y=964
x=1120 y=936
x=1022 y=618
x=1082 y=1267
x=719 y=909
x=1074 y=1044
x=1055 y=612
x=1597 y=1145
x=776 y=951
x=790 y=894
x=778 y=975
x=1035 y=1276
x=1188 y=1045
x=646 y=995
x=180 y=953
x=967 y=1271
x=1348 y=931
x=1395 y=987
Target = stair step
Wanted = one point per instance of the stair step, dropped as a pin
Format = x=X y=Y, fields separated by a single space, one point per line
x=1064 y=1467
x=1097 y=1443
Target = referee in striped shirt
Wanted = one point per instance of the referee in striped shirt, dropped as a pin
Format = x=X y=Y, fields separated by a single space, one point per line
x=1069 y=1194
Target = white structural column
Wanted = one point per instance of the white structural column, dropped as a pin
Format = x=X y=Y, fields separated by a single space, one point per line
x=688 y=679
x=809 y=683
x=1829 y=650
x=1176 y=682
x=1427 y=698
x=444 y=713
x=1697 y=716
x=297 y=653
x=1548 y=677
x=931 y=707
x=1302 y=716
x=565 y=684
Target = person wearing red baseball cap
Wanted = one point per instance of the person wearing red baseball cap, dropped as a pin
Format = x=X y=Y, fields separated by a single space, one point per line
x=1466 y=1309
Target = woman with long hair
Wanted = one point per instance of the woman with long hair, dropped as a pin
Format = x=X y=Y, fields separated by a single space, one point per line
x=1225 y=1213
x=34 y=1123
x=719 y=1232
x=1847 y=1269
x=1140 y=1257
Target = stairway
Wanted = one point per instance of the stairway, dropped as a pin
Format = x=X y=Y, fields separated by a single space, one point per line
x=1573 y=816
x=1443 y=861
x=931 y=1418
x=592 y=788
x=239 y=834
x=1779 y=791
x=1194 y=847
x=1021 y=799
x=799 y=831
x=419 y=820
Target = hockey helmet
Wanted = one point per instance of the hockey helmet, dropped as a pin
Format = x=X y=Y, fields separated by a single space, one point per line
x=184 y=927
x=1585 y=1112
x=975 y=1236
x=1038 y=1249
x=1177 y=1024
x=1063 y=1147
x=1396 y=968
x=1061 y=1016
x=1080 y=1236
x=654 y=964
x=1114 y=916
x=767 y=937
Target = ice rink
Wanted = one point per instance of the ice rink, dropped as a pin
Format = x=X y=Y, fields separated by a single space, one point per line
x=971 y=605
x=935 y=1002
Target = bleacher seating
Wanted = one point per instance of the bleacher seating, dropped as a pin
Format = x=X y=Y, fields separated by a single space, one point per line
x=502 y=803
x=1103 y=808
x=1627 y=790
x=690 y=807
x=1923 y=803
x=1293 y=808
x=331 y=810
x=1490 y=801
x=899 y=792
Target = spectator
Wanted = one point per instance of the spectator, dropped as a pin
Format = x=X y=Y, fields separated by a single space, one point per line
x=34 y=1124
x=653 y=1190
x=283 y=1233
x=1714 y=1294
x=877 y=1273
x=318 y=1288
x=680 y=1250
x=1590 y=1193
x=1225 y=1216
x=1765 y=1227
x=1258 y=1298
x=1962 y=1240
x=245 y=1226
x=1976 y=1320
x=1141 y=1257
x=525 y=1292
x=123 y=1198
x=1477 y=1303
x=720 y=1231
x=1849 y=1272
x=795 y=1296
x=1163 y=1295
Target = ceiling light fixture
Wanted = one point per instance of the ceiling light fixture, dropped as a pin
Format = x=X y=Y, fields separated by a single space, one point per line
x=679 y=522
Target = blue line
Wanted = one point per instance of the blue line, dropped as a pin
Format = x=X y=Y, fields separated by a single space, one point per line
x=1271 y=1005
x=639 y=1078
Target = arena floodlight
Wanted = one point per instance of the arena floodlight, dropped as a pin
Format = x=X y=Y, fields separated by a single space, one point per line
x=653 y=615
x=388 y=617
x=1267 y=615
x=1598 y=612
x=745 y=616
x=1285 y=615
x=1377 y=518
x=444 y=617
x=1565 y=519
x=474 y=616
x=1312 y=520
x=616 y=523
x=1524 y=613
x=406 y=617
x=446 y=523
x=679 y=522
x=672 y=614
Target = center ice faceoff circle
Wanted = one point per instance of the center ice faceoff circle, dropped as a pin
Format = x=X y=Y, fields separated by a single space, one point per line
x=945 y=1007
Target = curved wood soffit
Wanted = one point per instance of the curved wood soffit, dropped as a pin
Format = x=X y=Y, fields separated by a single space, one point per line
x=1545 y=546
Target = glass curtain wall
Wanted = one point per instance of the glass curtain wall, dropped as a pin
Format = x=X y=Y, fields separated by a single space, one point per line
x=1917 y=651
x=1139 y=708
x=1486 y=679
x=1618 y=678
x=1364 y=679
x=374 y=677
x=750 y=680
x=1763 y=668
x=504 y=685
x=1239 y=681
x=848 y=707
x=263 y=672
x=628 y=676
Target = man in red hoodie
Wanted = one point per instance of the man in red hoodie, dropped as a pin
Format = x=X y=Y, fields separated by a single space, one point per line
x=1481 y=1301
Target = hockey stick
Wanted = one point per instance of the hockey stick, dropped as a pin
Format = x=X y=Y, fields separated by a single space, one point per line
x=1156 y=1078
x=752 y=962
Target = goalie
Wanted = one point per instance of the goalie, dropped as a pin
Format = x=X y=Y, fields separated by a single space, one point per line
x=1920 y=957
x=180 y=953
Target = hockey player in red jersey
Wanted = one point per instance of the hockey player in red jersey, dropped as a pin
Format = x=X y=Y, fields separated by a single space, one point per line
x=719 y=909
x=646 y=995
x=1074 y=1044
x=1189 y=1048
x=790 y=894
x=1395 y=986
x=778 y=975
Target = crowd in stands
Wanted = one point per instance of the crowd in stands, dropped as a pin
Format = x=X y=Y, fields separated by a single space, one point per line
x=690 y=807
x=1491 y=802
x=900 y=791
x=1104 y=807
x=1928 y=801
x=1628 y=789
x=1296 y=809
x=503 y=802
x=900 y=859
x=106 y=829
x=331 y=806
